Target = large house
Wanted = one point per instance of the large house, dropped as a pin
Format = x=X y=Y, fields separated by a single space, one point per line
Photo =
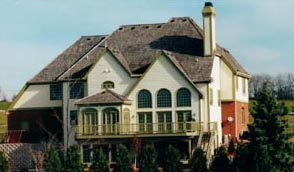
x=164 y=83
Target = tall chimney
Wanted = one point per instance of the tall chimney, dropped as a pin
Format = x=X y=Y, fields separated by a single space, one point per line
x=209 y=42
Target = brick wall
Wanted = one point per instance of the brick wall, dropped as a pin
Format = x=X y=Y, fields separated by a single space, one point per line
x=239 y=124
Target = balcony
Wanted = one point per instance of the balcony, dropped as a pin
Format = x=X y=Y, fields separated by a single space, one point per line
x=141 y=130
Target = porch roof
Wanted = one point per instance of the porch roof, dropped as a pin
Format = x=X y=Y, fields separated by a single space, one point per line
x=105 y=97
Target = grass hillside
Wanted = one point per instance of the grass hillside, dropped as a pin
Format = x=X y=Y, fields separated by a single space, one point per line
x=3 y=116
x=4 y=105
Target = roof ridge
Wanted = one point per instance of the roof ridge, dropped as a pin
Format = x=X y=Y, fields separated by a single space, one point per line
x=55 y=59
x=128 y=25
x=196 y=26
x=102 y=39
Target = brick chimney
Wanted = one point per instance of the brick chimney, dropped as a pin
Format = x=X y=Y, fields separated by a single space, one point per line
x=209 y=42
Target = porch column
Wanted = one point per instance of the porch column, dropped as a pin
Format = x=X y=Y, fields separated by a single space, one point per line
x=190 y=148
x=109 y=153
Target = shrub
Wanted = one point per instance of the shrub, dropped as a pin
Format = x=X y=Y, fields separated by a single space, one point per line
x=52 y=161
x=220 y=162
x=4 y=166
x=99 y=161
x=148 y=159
x=123 y=159
x=172 y=160
x=198 y=161
x=73 y=160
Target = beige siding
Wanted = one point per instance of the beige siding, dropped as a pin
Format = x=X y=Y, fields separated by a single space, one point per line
x=204 y=101
x=240 y=94
x=207 y=36
x=164 y=74
x=226 y=75
x=109 y=69
x=36 y=96
x=215 y=85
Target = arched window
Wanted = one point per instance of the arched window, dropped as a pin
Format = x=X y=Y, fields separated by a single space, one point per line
x=164 y=98
x=183 y=98
x=144 y=99
x=108 y=85
x=243 y=115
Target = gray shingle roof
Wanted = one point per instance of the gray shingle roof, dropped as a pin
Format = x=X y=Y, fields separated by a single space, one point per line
x=135 y=47
x=105 y=97
x=67 y=59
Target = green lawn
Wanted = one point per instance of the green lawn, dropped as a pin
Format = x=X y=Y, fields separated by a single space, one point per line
x=4 y=105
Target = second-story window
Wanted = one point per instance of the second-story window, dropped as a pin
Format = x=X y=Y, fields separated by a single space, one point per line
x=183 y=98
x=144 y=99
x=164 y=98
x=244 y=85
x=108 y=85
x=210 y=96
x=56 y=91
x=76 y=90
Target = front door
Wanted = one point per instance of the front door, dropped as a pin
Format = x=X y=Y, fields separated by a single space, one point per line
x=110 y=121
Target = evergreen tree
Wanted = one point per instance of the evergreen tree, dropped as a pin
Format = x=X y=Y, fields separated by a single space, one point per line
x=99 y=161
x=4 y=166
x=220 y=162
x=241 y=160
x=198 y=161
x=148 y=159
x=172 y=160
x=260 y=160
x=123 y=159
x=267 y=133
x=73 y=160
x=52 y=161
x=231 y=148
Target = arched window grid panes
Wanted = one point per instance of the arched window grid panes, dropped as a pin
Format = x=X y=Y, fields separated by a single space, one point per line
x=108 y=85
x=164 y=98
x=183 y=98
x=144 y=99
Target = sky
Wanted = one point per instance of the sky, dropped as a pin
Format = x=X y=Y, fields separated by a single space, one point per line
x=259 y=34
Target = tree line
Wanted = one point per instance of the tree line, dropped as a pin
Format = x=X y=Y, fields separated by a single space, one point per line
x=281 y=84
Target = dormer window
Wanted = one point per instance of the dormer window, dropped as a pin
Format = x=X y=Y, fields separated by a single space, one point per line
x=108 y=85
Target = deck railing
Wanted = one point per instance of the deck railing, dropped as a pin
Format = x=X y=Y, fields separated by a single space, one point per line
x=139 y=129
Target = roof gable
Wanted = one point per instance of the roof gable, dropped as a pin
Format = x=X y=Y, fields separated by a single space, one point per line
x=174 y=62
